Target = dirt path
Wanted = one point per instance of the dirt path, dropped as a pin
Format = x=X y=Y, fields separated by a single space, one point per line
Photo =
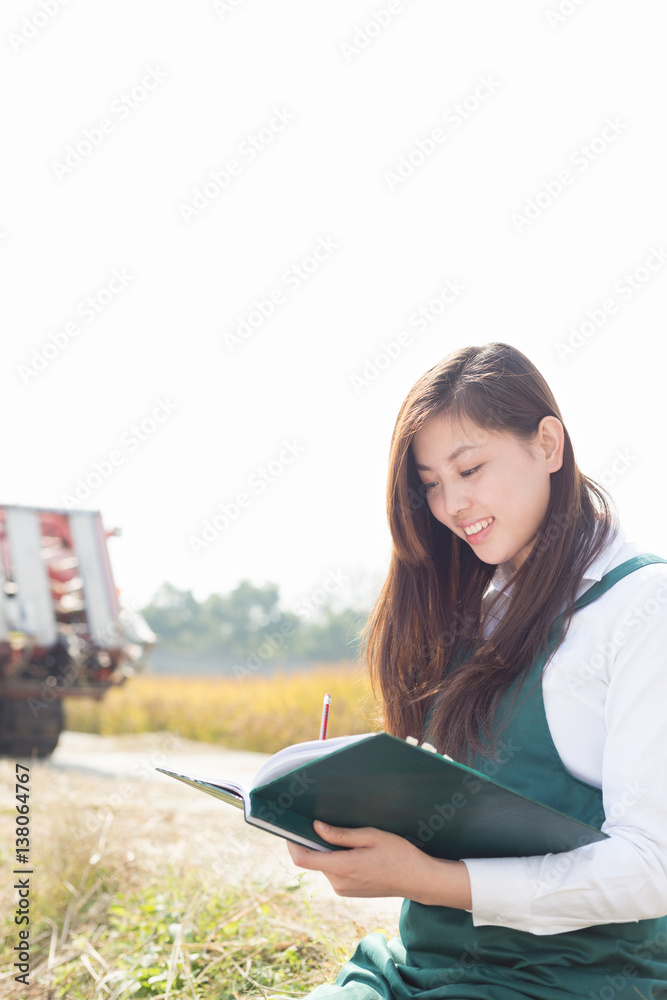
x=109 y=790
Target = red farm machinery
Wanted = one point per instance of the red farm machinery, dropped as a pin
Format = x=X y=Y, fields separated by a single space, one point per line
x=63 y=630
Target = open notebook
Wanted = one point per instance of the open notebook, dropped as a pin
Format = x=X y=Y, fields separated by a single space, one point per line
x=447 y=809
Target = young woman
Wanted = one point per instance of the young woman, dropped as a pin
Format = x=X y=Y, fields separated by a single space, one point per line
x=518 y=629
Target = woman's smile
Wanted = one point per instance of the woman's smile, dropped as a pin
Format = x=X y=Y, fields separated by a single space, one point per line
x=477 y=531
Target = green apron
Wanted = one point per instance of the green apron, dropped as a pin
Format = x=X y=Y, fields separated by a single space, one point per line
x=440 y=954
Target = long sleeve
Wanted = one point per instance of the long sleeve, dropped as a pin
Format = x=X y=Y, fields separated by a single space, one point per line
x=605 y=693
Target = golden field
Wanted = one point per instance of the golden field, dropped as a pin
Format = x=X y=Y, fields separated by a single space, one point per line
x=263 y=713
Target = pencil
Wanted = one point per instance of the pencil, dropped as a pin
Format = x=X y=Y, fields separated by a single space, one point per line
x=325 y=716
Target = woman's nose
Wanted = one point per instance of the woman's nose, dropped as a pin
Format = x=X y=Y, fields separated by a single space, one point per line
x=456 y=499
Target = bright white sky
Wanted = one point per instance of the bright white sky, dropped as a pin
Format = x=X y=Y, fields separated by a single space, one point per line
x=172 y=92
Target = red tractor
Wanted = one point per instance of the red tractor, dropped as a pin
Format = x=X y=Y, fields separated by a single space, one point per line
x=63 y=631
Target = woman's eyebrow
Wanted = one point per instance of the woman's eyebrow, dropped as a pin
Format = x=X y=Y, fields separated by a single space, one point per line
x=455 y=454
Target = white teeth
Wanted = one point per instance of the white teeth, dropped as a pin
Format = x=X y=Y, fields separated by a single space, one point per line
x=474 y=528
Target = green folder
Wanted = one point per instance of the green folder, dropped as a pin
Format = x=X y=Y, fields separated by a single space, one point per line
x=445 y=808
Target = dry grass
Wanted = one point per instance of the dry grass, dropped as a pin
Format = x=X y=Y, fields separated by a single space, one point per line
x=252 y=713
x=145 y=903
x=144 y=894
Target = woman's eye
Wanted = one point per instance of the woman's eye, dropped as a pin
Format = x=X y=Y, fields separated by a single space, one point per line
x=425 y=487
x=471 y=472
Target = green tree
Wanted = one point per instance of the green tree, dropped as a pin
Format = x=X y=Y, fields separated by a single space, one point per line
x=249 y=619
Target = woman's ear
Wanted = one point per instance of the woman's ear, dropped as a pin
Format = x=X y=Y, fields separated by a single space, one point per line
x=551 y=438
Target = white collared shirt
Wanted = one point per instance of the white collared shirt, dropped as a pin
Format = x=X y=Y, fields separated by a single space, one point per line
x=605 y=697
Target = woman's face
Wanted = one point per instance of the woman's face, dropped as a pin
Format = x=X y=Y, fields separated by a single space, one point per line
x=490 y=488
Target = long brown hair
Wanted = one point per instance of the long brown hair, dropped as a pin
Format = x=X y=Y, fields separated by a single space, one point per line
x=429 y=609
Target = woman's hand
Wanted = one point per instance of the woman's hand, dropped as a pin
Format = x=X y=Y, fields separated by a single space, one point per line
x=383 y=864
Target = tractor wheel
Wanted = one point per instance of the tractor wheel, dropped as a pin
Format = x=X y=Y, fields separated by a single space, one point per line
x=28 y=733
